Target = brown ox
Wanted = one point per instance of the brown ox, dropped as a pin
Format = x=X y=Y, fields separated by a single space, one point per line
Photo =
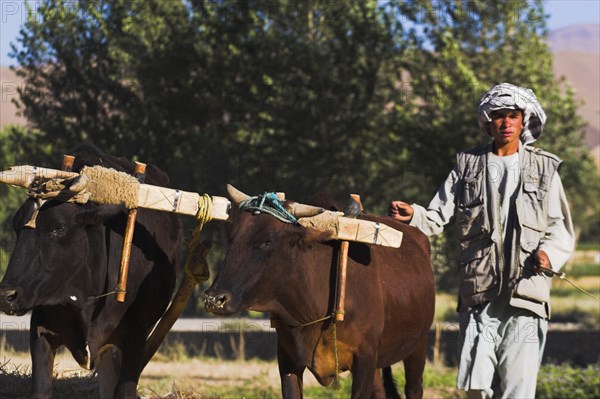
x=290 y=271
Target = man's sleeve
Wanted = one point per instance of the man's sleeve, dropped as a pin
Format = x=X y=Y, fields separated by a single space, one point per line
x=440 y=211
x=559 y=240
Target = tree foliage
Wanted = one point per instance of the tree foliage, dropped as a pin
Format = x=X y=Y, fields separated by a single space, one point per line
x=18 y=146
x=373 y=97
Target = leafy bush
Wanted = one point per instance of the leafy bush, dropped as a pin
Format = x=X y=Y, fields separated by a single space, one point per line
x=566 y=381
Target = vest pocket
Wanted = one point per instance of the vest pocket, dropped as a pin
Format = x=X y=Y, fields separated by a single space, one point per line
x=477 y=268
x=471 y=223
x=534 y=287
x=471 y=192
x=532 y=215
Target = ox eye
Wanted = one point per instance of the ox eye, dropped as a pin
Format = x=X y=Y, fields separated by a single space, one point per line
x=266 y=244
x=56 y=232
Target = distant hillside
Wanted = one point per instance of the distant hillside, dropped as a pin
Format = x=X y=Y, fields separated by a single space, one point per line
x=9 y=84
x=577 y=58
x=580 y=38
x=582 y=70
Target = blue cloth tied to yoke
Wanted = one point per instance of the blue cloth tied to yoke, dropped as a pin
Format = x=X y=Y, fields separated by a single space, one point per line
x=270 y=204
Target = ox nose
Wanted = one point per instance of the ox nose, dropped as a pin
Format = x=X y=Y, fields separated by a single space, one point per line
x=215 y=301
x=8 y=297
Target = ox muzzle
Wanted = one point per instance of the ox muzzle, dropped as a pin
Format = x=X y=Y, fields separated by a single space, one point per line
x=9 y=302
x=219 y=301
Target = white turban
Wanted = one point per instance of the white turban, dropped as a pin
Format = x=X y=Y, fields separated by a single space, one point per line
x=508 y=96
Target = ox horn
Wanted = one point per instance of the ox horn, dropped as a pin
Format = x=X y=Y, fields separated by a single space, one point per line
x=15 y=178
x=304 y=211
x=24 y=176
x=236 y=195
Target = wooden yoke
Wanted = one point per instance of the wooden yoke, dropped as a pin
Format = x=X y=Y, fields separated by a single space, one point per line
x=140 y=174
x=342 y=269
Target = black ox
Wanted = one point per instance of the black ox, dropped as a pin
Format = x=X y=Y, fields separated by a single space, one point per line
x=65 y=269
x=290 y=271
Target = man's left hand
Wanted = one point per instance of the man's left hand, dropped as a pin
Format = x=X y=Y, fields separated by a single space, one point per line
x=541 y=260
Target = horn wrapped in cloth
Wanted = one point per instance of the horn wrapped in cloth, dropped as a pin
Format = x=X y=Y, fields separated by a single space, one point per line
x=27 y=176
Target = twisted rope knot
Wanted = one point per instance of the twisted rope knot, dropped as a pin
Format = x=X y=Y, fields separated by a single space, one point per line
x=270 y=204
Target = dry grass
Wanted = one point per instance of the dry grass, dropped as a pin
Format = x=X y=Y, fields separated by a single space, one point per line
x=69 y=382
x=185 y=379
x=189 y=378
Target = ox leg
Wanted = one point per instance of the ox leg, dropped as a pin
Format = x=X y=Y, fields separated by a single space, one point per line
x=414 y=365
x=291 y=375
x=130 y=369
x=363 y=375
x=378 y=389
x=389 y=384
x=108 y=367
x=43 y=349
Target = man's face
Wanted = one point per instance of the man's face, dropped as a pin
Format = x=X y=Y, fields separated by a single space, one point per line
x=506 y=127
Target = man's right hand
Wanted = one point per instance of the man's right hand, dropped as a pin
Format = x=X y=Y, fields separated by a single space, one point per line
x=401 y=211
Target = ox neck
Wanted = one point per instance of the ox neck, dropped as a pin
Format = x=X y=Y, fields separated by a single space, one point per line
x=309 y=291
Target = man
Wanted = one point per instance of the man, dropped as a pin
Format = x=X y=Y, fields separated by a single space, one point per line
x=513 y=221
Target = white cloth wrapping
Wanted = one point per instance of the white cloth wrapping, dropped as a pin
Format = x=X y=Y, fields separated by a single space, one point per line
x=508 y=96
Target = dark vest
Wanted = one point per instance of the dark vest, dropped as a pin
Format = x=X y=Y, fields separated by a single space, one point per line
x=477 y=211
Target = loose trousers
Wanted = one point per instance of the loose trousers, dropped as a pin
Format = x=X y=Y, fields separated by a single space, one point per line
x=502 y=348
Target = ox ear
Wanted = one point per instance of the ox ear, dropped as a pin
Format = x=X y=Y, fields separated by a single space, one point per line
x=305 y=239
x=92 y=214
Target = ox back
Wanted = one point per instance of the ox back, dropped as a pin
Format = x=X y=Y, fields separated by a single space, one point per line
x=291 y=272
x=65 y=270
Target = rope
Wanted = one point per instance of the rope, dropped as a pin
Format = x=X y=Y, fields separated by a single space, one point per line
x=336 y=380
x=107 y=294
x=563 y=276
x=310 y=323
x=270 y=204
x=203 y=216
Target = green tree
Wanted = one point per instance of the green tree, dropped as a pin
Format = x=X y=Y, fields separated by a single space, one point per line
x=18 y=146
x=267 y=94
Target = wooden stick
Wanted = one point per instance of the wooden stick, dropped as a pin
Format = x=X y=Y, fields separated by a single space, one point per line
x=140 y=173
x=186 y=288
x=342 y=270
x=341 y=286
x=67 y=163
x=437 y=361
